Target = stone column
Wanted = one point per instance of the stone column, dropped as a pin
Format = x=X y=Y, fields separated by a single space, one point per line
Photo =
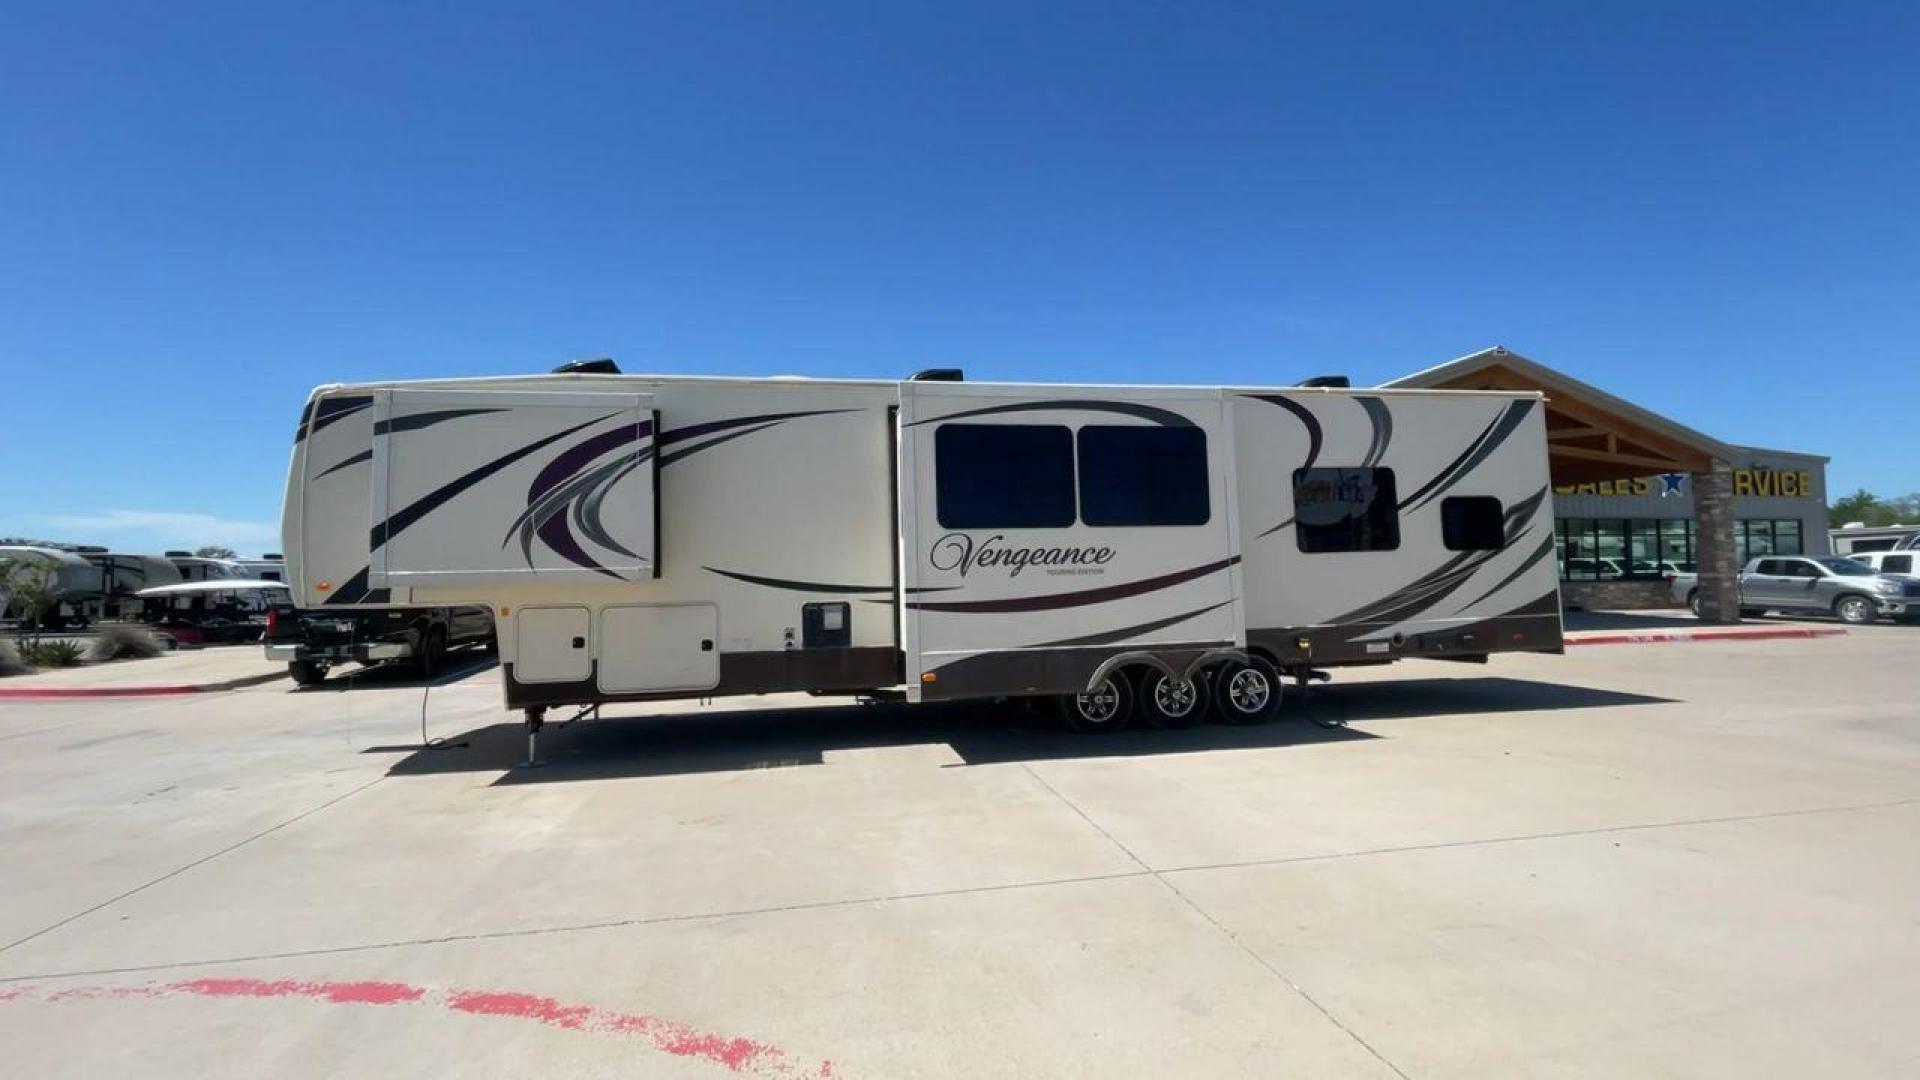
x=1713 y=551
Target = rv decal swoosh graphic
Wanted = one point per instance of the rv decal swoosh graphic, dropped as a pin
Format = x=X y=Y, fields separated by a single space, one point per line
x=1078 y=598
x=1488 y=441
x=1314 y=437
x=559 y=495
x=817 y=586
x=364 y=455
x=1110 y=636
x=1311 y=422
x=433 y=500
x=354 y=591
x=331 y=411
x=1436 y=585
x=1382 y=429
x=426 y=419
x=1163 y=417
x=570 y=492
x=1541 y=552
x=694 y=431
x=689 y=451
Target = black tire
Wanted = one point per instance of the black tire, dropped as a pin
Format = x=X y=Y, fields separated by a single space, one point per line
x=1162 y=698
x=307 y=672
x=1107 y=709
x=1855 y=609
x=1693 y=604
x=1247 y=693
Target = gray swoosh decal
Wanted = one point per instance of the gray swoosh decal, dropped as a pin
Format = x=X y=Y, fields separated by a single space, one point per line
x=1110 y=636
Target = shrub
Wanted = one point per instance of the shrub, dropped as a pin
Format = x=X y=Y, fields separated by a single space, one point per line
x=55 y=652
x=10 y=662
x=124 y=643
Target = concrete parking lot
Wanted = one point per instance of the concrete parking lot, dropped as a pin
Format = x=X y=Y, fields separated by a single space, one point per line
x=1635 y=860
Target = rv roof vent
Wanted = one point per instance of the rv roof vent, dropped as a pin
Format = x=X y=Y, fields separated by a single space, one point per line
x=602 y=366
x=939 y=374
x=179 y=554
x=89 y=547
x=1340 y=382
x=274 y=556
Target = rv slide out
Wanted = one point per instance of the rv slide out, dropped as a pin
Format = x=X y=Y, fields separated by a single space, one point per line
x=1149 y=550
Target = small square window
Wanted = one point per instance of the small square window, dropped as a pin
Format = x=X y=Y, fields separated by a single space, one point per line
x=1472 y=523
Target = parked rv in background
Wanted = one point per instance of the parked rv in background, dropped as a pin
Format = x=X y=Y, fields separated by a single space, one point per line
x=1858 y=537
x=69 y=578
x=1149 y=551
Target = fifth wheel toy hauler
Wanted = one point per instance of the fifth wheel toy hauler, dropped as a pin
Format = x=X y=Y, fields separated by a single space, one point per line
x=1155 y=549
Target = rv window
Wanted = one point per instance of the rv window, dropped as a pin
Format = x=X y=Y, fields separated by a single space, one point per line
x=1472 y=523
x=1003 y=476
x=1345 y=510
x=1133 y=475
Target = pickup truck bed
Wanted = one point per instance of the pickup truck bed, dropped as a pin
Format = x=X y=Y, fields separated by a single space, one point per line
x=313 y=641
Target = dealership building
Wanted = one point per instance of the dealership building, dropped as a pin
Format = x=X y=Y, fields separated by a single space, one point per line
x=1638 y=496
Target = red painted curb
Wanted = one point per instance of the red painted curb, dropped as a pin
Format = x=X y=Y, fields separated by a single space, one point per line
x=51 y=693
x=1708 y=635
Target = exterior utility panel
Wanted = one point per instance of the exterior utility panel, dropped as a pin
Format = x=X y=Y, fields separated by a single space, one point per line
x=645 y=537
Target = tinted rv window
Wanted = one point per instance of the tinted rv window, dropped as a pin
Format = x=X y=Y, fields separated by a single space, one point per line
x=1132 y=475
x=1003 y=476
x=1345 y=510
x=1472 y=523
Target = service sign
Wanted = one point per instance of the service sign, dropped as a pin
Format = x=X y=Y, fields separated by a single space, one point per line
x=1763 y=483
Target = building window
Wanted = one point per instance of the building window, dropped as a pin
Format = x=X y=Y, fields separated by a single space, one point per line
x=1345 y=510
x=1133 y=475
x=1472 y=523
x=1754 y=537
x=1003 y=476
x=1611 y=549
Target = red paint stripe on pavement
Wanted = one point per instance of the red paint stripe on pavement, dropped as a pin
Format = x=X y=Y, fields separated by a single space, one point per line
x=98 y=691
x=1708 y=635
x=733 y=1053
x=338 y=993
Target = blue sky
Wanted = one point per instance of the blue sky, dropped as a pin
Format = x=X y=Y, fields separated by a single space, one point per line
x=207 y=209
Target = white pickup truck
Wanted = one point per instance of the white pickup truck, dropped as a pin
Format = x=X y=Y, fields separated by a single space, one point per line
x=1830 y=584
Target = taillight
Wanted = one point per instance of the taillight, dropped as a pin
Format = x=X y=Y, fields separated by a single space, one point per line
x=273 y=622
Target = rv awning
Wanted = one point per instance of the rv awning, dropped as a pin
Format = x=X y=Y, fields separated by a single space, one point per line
x=194 y=588
x=1591 y=435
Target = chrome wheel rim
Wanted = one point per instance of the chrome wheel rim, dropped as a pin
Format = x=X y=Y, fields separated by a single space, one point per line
x=1100 y=706
x=1175 y=697
x=1853 y=610
x=1249 y=690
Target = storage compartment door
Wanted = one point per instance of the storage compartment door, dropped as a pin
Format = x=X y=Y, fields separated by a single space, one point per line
x=659 y=647
x=477 y=487
x=550 y=644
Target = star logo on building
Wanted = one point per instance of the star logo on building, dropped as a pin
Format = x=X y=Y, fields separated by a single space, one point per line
x=1670 y=483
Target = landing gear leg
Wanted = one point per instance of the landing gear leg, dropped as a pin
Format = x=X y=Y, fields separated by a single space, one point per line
x=536 y=718
x=1303 y=677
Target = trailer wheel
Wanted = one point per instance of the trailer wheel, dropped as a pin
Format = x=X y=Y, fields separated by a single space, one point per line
x=1104 y=709
x=1246 y=692
x=307 y=672
x=1168 y=702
